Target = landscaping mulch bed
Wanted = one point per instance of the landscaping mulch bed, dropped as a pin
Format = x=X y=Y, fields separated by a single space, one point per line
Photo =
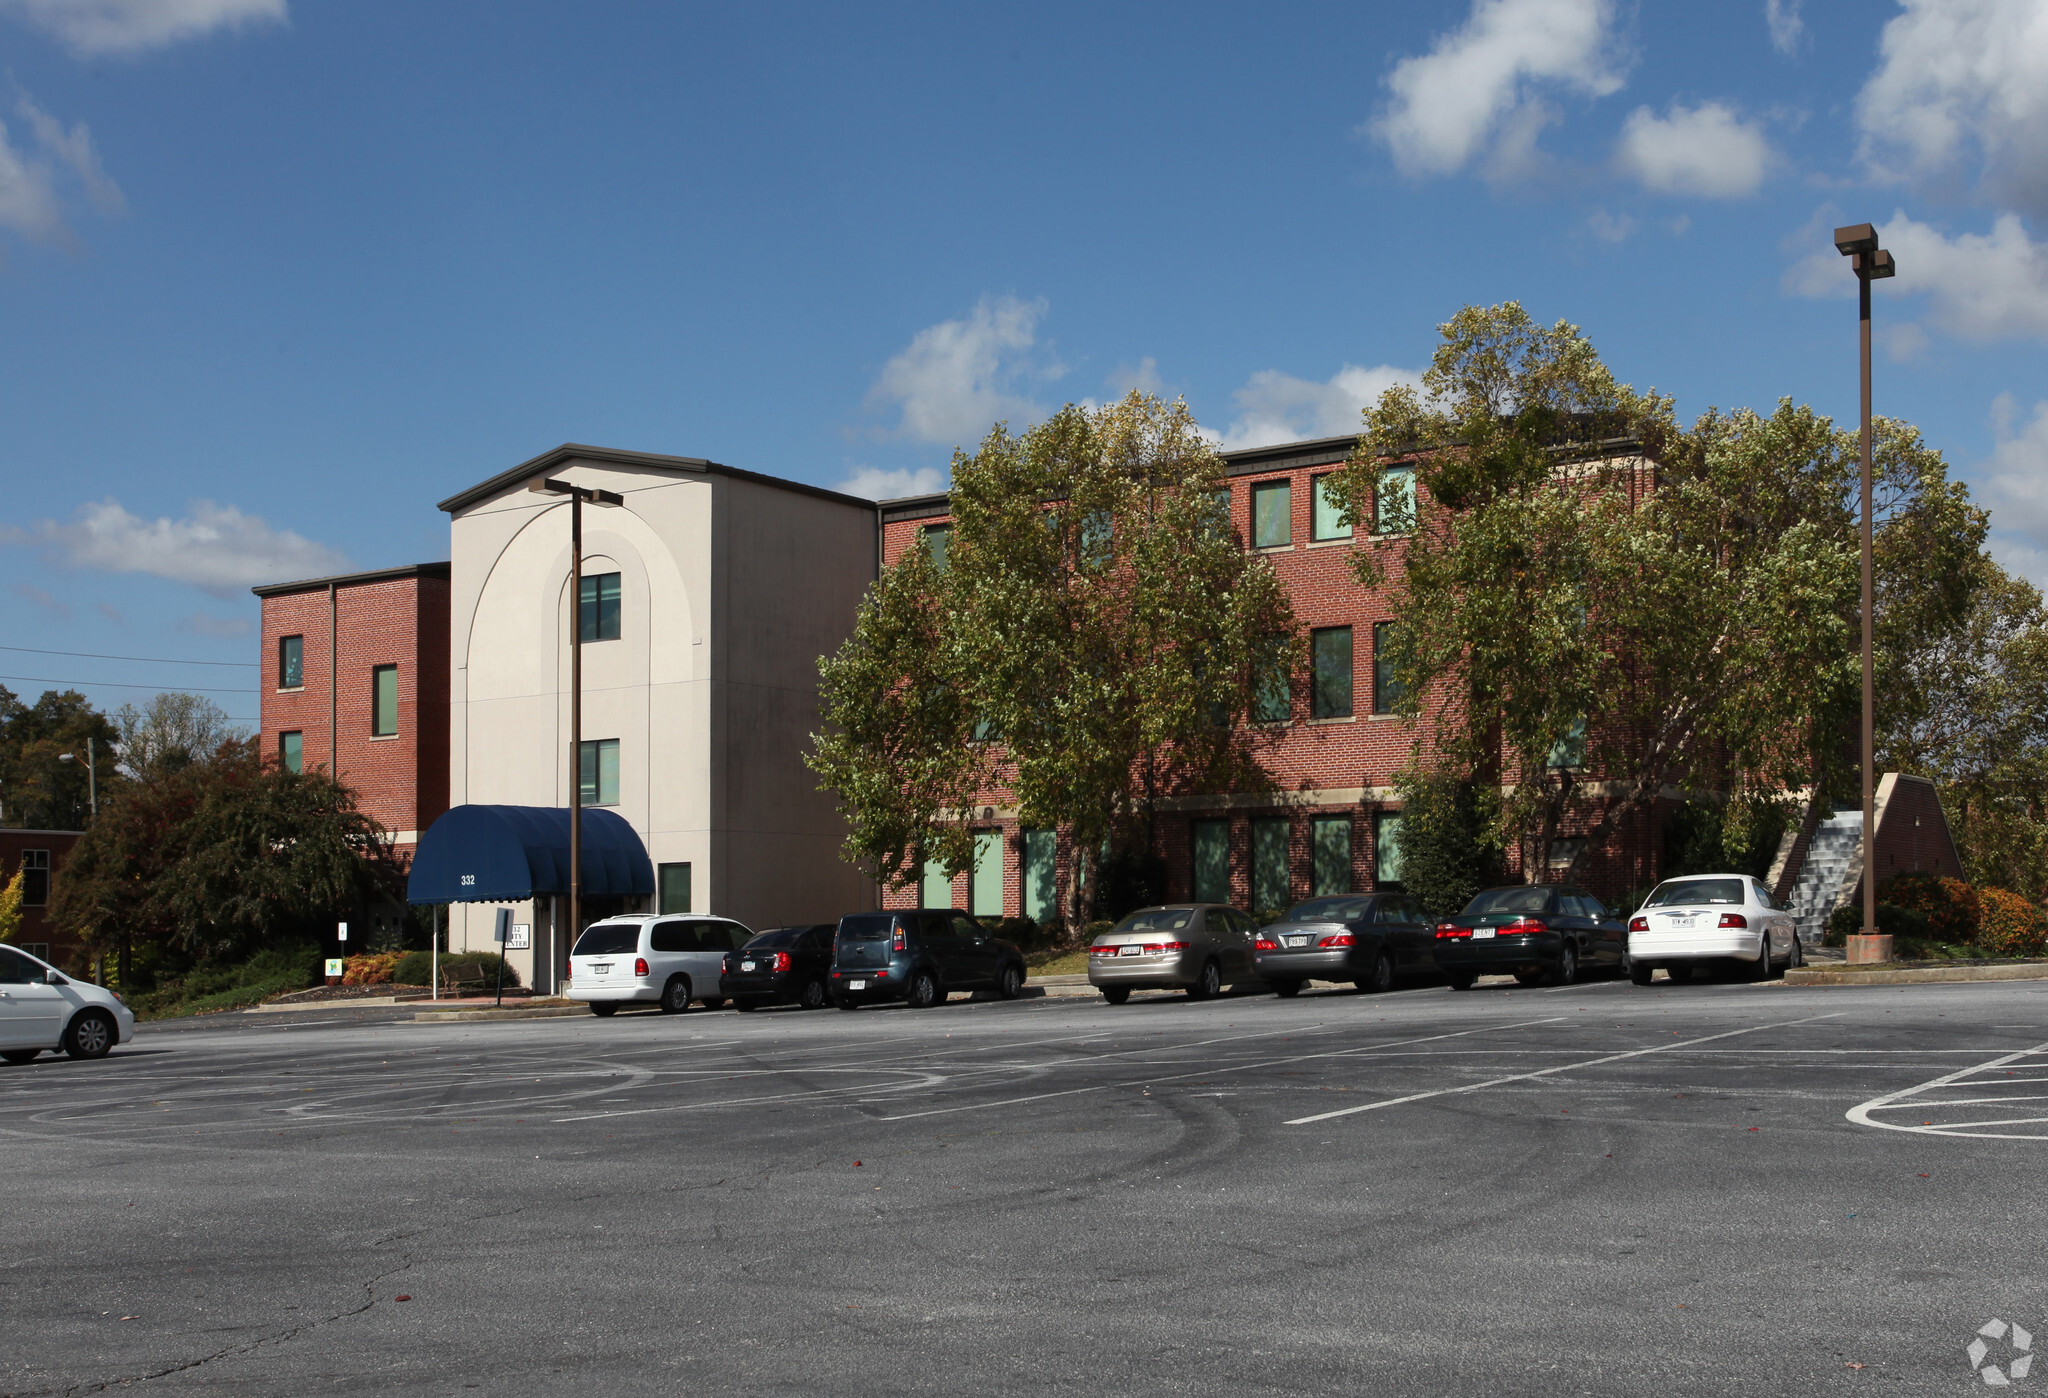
x=383 y=991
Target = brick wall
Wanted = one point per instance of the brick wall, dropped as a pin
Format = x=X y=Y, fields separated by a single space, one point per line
x=36 y=931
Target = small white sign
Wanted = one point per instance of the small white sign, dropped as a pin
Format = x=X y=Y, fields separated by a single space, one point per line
x=342 y=935
x=333 y=965
x=520 y=938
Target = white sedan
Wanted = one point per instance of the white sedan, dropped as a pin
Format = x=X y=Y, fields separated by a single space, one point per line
x=42 y=1008
x=1711 y=917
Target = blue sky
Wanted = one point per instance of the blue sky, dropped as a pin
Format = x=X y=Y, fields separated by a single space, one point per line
x=276 y=275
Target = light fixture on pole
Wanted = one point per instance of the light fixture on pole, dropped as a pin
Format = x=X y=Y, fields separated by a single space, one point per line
x=578 y=494
x=92 y=774
x=1858 y=243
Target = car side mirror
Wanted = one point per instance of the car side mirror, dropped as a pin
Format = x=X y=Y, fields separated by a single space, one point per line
x=53 y=978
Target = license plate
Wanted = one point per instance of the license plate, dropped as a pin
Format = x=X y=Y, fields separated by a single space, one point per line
x=856 y=985
x=1131 y=951
x=1480 y=934
x=1681 y=922
x=746 y=965
x=1297 y=941
x=600 y=968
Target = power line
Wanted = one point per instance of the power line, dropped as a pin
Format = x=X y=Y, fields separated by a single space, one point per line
x=113 y=684
x=147 y=659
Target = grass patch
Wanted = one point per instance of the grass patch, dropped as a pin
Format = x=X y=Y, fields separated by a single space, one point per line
x=1054 y=962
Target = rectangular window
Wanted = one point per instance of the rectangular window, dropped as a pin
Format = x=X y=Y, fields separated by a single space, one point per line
x=1387 y=692
x=1394 y=511
x=1271 y=700
x=1272 y=514
x=1386 y=849
x=1331 y=837
x=985 y=894
x=1570 y=748
x=1219 y=513
x=1271 y=887
x=291 y=751
x=1332 y=649
x=1098 y=538
x=1210 y=844
x=673 y=883
x=934 y=538
x=35 y=878
x=938 y=885
x=1040 y=847
x=597 y=608
x=1328 y=520
x=291 y=662
x=383 y=701
x=599 y=777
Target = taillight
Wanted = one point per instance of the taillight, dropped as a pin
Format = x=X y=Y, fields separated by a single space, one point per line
x=1734 y=920
x=1169 y=946
x=1522 y=926
x=896 y=942
x=639 y=965
x=1451 y=929
x=1638 y=924
x=1265 y=944
x=1341 y=939
x=782 y=961
x=1103 y=951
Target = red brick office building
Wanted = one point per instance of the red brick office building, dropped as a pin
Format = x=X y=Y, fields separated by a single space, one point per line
x=355 y=681
x=38 y=856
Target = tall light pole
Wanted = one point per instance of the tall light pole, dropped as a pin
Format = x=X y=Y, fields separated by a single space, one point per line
x=1858 y=243
x=92 y=774
x=578 y=494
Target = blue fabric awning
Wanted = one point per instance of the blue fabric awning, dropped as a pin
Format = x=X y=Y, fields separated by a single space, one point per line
x=507 y=854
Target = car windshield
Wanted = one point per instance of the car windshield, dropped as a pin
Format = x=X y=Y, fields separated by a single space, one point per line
x=1331 y=910
x=608 y=939
x=778 y=939
x=866 y=927
x=1156 y=920
x=1508 y=900
x=1696 y=891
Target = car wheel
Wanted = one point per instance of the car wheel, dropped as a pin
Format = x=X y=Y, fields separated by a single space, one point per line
x=813 y=996
x=604 y=1009
x=20 y=1055
x=91 y=1035
x=1116 y=994
x=1639 y=972
x=1287 y=990
x=1208 y=985
x=1010 y=982
x=675 y=996
x=1566 y=971
x=1531 y=975
x=1762 y=970
x=1798 y=956
x=1462 y=980
x=924 y=991
x=713 y=1002
x=1382 y=978
x=1678 y=973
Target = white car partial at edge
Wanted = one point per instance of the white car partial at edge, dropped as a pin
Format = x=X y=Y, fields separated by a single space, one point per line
x=653 y=958
x=1711 y=918
x=42 y=1008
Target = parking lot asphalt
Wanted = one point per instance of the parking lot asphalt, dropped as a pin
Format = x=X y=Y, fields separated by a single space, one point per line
x=1599 y=1189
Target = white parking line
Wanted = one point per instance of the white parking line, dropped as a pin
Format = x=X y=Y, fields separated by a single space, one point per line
x=1911 y=1099
x=1546 y=1072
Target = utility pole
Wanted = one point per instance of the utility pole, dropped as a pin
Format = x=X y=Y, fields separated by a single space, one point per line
x=542 y=485
x=92 y=774
x=1858 y=243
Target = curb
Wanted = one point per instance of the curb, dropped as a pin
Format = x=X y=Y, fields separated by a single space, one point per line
x=538 y=1012
x=1919 y=975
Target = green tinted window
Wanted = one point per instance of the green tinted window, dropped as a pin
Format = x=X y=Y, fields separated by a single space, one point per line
x=674 y=881
x=1386 y=848
x=291 y=751
x=1271 y=700
x=1040 y=847
x=1328 y=521
x=1386 y=686
x=600 y=774
x=1272 y=514
x=938 y=885
x=1270 y=884
x=384 y=701
x=1210 y=854
x=1331 y=836
x=935 y=537
x=597 y=611
x=291 y=662
x=986 y=893
x=1331 y=646
x=1396 y=500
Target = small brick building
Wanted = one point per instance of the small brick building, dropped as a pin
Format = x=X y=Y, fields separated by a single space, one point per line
x=38 y=855
x=378 y=718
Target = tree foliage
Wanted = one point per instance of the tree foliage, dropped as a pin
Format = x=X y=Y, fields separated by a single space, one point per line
x=10 y=906
x=171 y=732
x=1449 y=839
x=1092 y=632
x=38 y=789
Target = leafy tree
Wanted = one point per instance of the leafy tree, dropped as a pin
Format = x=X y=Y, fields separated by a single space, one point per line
x=221 y=857
x=10 y=907
x=38 y=790
x=1092 y=632
x=1449 y=838
x=171 y=732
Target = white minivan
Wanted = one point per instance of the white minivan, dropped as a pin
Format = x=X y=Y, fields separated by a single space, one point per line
x=666 y=959
x=1711 y=917
x=42 y=1008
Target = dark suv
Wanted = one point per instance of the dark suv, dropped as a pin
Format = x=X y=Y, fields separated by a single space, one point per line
x=919 y=958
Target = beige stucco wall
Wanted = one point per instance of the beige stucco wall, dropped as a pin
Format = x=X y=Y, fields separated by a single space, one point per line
x=730 y=590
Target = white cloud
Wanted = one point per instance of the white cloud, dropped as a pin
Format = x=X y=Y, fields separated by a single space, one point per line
x=206 y=624
x=216 y=547
x=1275 y=407
x=1787 y=28
x=31 y=203
x=1610 y=228
x=1979 y=286
x=959 y=378
x=75 y=149
x=1706 y=150
x=1480 y=84
x=2017 y=485
x=41 y=600
x=97 y=27
x=874 y=483
x=1959 y=79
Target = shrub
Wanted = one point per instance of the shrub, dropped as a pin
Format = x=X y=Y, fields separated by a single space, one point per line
x=1952 y=908
x=211 y=986
x=1449 y=845
x=374 y=969
x=2010 y=925
x=1843 y=923
x=413 y=968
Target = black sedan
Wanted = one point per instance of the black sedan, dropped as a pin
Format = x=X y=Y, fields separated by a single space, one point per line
x=782 y=966
x=1536 y=932
x=1369 y=939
